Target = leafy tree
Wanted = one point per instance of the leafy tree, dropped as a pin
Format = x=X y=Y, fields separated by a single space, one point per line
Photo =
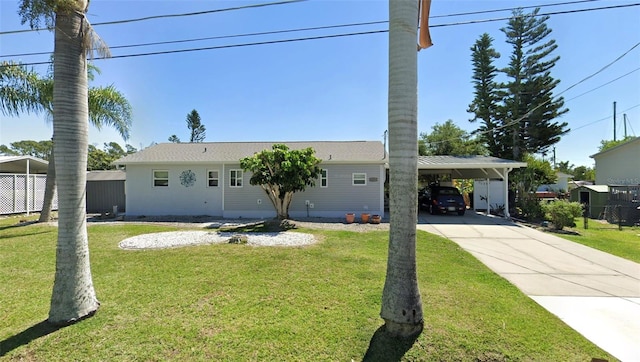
x=529 y=106
x=174 y=139
x=401 y=303
x=281 y=172
x=538 y=172
x=449 y=139
x=607 y=144
x=103 y=159
x=485 y=105
x=584 y=173
x=195 y=126
x=73 y=297
x=565 y=167
x=40 y=149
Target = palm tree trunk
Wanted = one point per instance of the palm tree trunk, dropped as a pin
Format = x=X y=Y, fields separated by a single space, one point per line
x=49 y=190
x=401 y=303
x=73 y=296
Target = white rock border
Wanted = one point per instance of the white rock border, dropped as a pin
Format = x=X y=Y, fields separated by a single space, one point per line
x=174 y=239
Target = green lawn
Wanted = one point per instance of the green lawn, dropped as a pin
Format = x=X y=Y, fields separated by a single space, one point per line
x=624 y=243
x=242 y=303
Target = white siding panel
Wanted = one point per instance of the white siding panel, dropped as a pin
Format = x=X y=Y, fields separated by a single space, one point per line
x=176 y=199
x=335 y=200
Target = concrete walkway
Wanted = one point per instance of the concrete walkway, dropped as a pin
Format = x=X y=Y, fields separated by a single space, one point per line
x=595 y=293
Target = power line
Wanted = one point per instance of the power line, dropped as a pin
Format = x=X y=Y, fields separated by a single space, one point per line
x=292 y=1
x=601 y=119
x=308 y=38
x=166 y=16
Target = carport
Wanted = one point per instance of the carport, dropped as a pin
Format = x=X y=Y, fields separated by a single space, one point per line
x=471 y=167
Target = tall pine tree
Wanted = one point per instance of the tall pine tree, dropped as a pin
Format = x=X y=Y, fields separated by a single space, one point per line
x=485 y=105
x=530 y=110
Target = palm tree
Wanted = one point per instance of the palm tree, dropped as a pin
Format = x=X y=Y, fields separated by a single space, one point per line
x=73 y=297
x=107 y=107
x=19 y=88
x=401 y=303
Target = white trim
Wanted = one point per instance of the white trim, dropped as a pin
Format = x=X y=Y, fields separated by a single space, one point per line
x=217 y=178
x=236 y=178
x=325 y=178
x=154 y=178
x=353 y=179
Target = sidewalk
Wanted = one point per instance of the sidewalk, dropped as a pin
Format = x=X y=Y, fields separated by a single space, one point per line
x=595 y=293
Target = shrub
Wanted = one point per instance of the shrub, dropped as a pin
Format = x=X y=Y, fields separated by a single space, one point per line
x=562 y=213
x=529 y=208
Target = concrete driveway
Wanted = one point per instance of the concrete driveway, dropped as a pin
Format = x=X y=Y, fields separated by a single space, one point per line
x=595 y=293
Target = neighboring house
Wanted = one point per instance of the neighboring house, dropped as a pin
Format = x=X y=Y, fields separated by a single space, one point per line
x=619 y=165
x=594 y=196
x=206 y=179
x=105 y=191
x=560 y=186
x=22 y=184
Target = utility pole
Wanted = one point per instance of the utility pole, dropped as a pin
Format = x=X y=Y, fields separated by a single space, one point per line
x=614 y=121
x=624 y=119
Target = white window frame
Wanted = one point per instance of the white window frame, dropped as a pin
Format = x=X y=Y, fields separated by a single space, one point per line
x=209 y=178
x=235 y=178
x=324 y=178
x=156 y=178
x=359 y=176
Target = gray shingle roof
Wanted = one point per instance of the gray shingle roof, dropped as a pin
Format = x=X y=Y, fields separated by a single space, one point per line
x=108 y=175
x=226 y=152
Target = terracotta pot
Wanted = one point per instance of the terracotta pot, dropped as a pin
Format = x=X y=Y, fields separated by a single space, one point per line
x=350 y=217
x=364 y=217
x=375 y=219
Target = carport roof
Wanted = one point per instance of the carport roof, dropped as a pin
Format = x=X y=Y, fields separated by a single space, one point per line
x=18 y=164
x=467 y=167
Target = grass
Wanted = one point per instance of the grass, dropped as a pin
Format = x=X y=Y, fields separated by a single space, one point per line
x=624 y=243
x=242 y=303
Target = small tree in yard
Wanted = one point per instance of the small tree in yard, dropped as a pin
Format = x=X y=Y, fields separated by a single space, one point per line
x=281 y=172
x=562 y=213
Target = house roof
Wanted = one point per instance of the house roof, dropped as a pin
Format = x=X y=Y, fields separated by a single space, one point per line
x=634 y=141
x=467 y=167
x=232 y=152
x=18 y=164
x=109 y=175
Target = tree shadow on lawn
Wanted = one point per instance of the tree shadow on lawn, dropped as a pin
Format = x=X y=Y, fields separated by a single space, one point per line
x=28 y=335
x=386 y=347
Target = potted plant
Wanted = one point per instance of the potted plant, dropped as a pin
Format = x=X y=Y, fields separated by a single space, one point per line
x=375 y=219
x=350 y=217
x=365 y=217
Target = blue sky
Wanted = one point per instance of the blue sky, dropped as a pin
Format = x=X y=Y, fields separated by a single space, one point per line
x=336 y=88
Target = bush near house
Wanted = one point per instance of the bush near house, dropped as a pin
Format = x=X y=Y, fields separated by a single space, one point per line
x=562 y=213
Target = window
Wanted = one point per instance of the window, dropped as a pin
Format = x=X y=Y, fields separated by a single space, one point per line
x=359 y=179
x=324 y=178
x=235 y=178
x=160 y=178
x=212 y=178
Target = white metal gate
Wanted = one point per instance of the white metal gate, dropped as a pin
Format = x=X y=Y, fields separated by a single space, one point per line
x=19 y=194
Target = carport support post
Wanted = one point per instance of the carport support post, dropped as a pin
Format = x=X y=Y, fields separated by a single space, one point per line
x=506 y=192
x=488 y=212
x=26 y=190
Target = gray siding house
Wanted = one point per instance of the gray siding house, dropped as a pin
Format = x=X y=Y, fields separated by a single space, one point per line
x=619 y=165
x=206 y=179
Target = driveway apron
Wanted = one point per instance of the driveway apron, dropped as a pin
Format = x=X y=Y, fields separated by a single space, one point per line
x=595 y=293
